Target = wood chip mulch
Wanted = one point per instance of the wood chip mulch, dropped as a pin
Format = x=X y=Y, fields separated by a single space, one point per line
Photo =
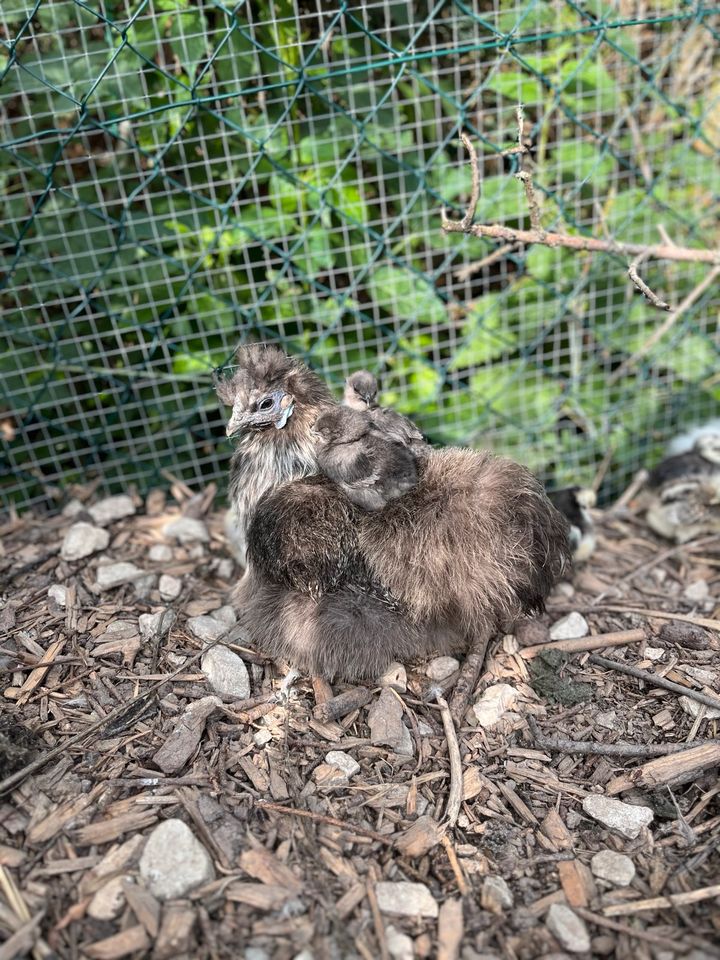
x=110 y=730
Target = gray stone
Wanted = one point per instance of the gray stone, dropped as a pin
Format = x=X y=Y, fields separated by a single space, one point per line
x=82 y=540
x=174 y=862
x=206 y=628
x=403 y=899
x=441 y=668
x=693 y=708
x=395 y=676
x=111 y=575
x=568 y=929
x=697 y=591
x=623 y=818
x=614 y=867
x=187 y=530
x=160 y=553
x=343 y=761
x=169 y=587
x=654 y=653
x=72 y=508
x=406 y=746
x=399 y=944
x=145 y=585
x=226 y=672
x=225 y=615
x=261 y=737
x=224 y=569
x=496 y=895
x=111 y=509
x=119 y=630
x=153 y=625
x=571 y=627
x=58 y=593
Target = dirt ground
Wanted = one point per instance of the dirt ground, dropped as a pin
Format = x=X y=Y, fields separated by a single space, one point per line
x=112 y=737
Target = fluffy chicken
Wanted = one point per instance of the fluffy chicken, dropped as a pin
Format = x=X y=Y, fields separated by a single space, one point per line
x=341 y=592
x=361 y=390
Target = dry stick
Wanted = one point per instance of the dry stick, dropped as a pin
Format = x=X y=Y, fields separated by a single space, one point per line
x=643 y=287
x=455 y=865
x=469 y=675
x=624 y=499
x=651 y=612
x=659 y=903
x=628 y=931
x=323 y=818
x=655 y=680
x=590 y=748
x=377 y=920
x=667 y=554
x=464 y=273
x=674 y=316
x=596 y=642
x=455 y=794
x=343 y=704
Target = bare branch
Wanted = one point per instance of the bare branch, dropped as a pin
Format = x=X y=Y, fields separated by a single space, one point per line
x=455 y=795
x=591 y=748
x=643 y=287
x=464 y=273
x=655 y=680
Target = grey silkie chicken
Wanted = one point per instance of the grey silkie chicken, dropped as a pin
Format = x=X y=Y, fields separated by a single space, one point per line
x=361 y=390
x=681 y=499
x=341 y=592
x=368 y=466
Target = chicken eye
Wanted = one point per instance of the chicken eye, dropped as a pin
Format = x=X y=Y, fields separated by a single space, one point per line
x=267 y=404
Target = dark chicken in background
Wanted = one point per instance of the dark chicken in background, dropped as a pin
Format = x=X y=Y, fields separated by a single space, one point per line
x=341 y=592
x=575 y=503
x=361 y=390
x=368 y=466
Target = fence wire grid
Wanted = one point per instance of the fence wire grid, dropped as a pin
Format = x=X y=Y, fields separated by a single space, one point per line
x=182 y=176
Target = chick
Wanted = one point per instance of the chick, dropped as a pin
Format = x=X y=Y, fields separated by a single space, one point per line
x=575 y=504
x=361 y=390
x=682 y=496
x=370 y=468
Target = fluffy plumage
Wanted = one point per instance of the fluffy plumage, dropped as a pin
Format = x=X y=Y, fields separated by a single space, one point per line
x=341 y=592
x=682 y=495
x=367 y=466
x=361 y=390
x=574 y=503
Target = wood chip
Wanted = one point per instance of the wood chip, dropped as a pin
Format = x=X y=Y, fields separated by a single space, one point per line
x=264 y=866
x=132 y=940
x=668 y=769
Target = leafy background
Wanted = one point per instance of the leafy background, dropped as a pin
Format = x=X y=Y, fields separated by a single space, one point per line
x=181 y=176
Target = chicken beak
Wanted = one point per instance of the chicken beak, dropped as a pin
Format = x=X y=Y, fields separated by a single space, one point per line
x=235 y=423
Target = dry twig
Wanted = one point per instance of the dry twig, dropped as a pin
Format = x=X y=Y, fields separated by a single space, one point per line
x=644 y=289
x=660 y=903
x=655 y=680
x=454 y=801
x=583 y=644
x=322 y=818
x=590 y=748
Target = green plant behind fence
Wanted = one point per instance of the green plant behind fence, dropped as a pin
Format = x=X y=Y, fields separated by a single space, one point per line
x=180 y=176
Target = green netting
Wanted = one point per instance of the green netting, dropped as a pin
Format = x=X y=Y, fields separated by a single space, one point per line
x=182 y=175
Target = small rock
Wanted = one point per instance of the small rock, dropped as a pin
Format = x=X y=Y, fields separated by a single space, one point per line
x=108 y=901
x=328 y=776
x=571 y=627
x=187 y=530
x=565 y=589
x=119 y=630
x=206 y=628
x=605 y=944
x=225 y=615
x=343 y=761
x=153 y=625
x=160 y=553
x=693 y=708
x=686 y=634
x=385 y=720
x=58 y=593
x=607 y=719
x=568 y=929
x=224 y=569
x=145 y=585
x=226 y=672
x=425 y=730
x=174 y=862
x=395 y=676
x=261 y=737
x=531 y=632
x=494 y=704
x=697 y=591
x=441 y=668
x=654 y=653
x=72 y=508
x=111 y=575
x=624 y=818
x=496 y=895
x=169 y=587
x=403 y=899
x=111 y=509
x=399 y=944
x=82 y=540
x=256 y=953
x=614 y=867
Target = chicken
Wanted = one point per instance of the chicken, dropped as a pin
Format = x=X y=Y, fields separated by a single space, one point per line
x=367 y=466
x=341 y=592
x=682 y=495
x=361 y=394
x=575 y=503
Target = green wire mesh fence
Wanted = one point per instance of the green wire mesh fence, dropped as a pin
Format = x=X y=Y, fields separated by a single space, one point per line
x=182 y=175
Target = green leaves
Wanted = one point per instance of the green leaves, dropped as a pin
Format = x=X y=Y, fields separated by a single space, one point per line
x=406 y=296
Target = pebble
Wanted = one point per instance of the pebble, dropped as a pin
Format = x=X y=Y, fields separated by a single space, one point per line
x=624 y=818
x=206 y=628
x=145 y=585
x=72 y=508
x=58 y=593
x=160 y=553
x=187 y=530
x=494 y=704
x=169 y=587
x=568 y=929
x=111 y=575
x=571 y=627
x=496 y=896
x=406 y=745
x=654 y=653
x=697 y=591
x=111 y=509
x=693 y=708
x=395 y=676
x=614 y=867
x=108 y=901
x=225 y=615
x=607 y=719
x=174 y=862
x=403 y=899
x=226 y=672
x=343 y=761
x=441 y=667
x=399 y=944
x=119 y=630
x=224 y=569
x=153 y=625
x=262 y=737
x=82 y=540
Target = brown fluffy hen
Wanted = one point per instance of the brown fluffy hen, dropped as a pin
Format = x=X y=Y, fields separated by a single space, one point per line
x=342 y=592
